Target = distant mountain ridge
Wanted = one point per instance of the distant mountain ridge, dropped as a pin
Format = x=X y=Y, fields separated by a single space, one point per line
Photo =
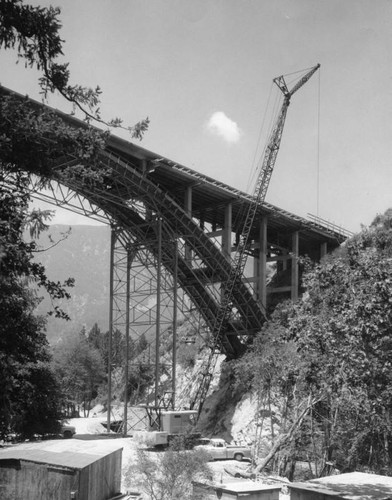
x=85 y=256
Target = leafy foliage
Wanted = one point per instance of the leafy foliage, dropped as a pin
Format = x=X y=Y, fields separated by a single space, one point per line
x=169 y=475
x=30 y=398
x=336 y=345
x=140 y=371
x=32 y=140
x=80 y=370
x=141 y=377
x=35 y=33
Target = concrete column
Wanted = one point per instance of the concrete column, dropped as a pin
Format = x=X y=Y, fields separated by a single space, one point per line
x=323 y=250
x=284 y=261
x=226 y=234
x=294 y=266
x=188 y=201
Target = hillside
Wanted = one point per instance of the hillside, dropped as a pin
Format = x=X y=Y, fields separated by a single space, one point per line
x=83 y=255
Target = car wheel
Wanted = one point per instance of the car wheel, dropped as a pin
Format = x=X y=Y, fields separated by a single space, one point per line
x=238 y=457
x=67 y=434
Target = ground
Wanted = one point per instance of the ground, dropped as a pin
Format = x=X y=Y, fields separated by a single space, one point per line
x=93 y=434
x=90 y=428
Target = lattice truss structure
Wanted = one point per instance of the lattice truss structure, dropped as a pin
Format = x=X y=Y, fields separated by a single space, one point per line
x=148 y=255
x=145 y=300
x=128 y=200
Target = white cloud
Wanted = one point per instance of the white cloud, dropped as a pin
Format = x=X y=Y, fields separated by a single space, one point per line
x=221 y=125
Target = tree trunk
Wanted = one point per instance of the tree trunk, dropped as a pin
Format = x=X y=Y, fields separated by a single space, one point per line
x=285 y=438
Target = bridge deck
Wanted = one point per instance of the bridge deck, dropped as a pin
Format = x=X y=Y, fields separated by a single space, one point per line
x=210 y=197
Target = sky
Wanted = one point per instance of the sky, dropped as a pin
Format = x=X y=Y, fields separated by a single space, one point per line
x=202 y=71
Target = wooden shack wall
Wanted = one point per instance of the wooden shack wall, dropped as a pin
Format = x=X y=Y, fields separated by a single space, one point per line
x=26 y=480
x=32 y=481
x=102 y=479
x=8 y=478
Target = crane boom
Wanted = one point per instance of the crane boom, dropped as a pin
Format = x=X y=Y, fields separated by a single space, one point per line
x=239 y=260
x=259 y=194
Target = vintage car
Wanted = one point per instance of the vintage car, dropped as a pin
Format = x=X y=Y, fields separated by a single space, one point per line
x=218 y=449
x=67 y=431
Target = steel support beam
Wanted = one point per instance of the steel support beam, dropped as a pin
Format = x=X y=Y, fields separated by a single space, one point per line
x=158 y=311
x=227 y=230
x=109 y=400
x=295 y=266
x=260 y=264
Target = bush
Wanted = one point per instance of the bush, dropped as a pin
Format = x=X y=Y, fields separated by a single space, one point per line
x=168 y=475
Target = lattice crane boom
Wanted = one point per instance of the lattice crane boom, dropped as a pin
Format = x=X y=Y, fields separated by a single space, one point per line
x=259 y=194
x=239 y=260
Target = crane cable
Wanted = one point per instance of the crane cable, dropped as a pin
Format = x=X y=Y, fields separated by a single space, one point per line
x=272 y=119
x=254 y=169
x=295 y=73
x=253 y=166
x=318 y=146
x=276 y=107
x=257 y=163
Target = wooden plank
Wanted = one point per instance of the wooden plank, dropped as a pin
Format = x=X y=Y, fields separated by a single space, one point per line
x=8 y=479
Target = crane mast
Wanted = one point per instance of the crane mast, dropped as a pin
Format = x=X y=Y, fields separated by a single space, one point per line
x=259 y=193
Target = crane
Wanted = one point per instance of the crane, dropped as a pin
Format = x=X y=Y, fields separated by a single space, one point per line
x=239 y=260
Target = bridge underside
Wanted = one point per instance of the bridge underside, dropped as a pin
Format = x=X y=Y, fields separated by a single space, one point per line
x=159 y=217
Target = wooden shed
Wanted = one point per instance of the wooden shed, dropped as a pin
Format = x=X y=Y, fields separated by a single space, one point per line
x=44 y=471
x=247 y=490
x=350 y=486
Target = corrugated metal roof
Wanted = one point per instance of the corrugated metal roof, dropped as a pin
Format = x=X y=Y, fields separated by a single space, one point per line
x=350 y=486
x=242 y=487
x=75 y=455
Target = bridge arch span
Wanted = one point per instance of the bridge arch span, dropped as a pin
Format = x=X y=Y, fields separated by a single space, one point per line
x=132 y=203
